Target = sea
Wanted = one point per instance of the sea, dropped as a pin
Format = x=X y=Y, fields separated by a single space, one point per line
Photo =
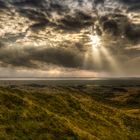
x=65 y=81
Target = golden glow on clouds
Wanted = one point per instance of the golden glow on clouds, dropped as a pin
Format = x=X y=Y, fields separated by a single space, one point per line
x=17 y=33
x=134 y=17
x=56 y=72
x=13 y=23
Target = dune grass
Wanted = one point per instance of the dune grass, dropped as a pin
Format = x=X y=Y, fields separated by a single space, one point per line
x=69 y=113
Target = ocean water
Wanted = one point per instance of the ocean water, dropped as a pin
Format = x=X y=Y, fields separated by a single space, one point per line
x=122 y=81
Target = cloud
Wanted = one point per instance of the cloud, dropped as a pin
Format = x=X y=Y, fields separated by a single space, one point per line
x=27 y=56
x=41 y=34
x=58 y=56
x=78 y=21
x=3 y=5
x=130 y=1
x=132 y=31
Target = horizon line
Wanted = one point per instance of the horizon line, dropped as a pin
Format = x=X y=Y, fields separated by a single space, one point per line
x=79 y=77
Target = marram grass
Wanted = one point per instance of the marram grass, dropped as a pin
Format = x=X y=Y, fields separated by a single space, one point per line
x=69 y=113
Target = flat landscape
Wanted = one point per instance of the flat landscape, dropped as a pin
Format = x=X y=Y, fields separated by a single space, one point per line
x=80 y=110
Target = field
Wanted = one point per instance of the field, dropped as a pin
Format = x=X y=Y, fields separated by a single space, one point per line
x=69 y=112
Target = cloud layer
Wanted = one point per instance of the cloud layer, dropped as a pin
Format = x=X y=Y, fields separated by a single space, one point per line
x=54 y=34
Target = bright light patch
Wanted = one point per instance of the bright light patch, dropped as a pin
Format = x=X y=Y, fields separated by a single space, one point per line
x=95 y=41
x=100 y=52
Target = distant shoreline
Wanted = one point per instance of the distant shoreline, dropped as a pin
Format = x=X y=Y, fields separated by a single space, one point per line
x=68 y=78
x=71 y=81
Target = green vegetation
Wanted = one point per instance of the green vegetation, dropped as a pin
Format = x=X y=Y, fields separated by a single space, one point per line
x=69 y=113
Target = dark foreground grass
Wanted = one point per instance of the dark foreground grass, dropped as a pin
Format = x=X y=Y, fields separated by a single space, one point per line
x=69 y=113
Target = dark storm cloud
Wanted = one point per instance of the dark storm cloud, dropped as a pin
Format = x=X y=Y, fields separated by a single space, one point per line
x=33 y=14
x=56 y=56
x=52 y=16
x=72 y=14
x=134 y=8
x=73 y=17
x=133 y=32
x=3 y=5
x=98 y=1
x=26 y=2
x=41 y=12
x=14 y=58
x=130 y=1
x=33 y=58
x=38 y=26
x=61 y=57
x=68 y=22
x=120 y=25
x=79 y=21
x=111 y=26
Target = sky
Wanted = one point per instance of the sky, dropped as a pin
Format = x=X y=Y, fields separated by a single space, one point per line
x=69 y=38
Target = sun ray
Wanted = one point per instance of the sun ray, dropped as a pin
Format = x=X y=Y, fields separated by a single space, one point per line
x=99 y=52
x=112 y=62
x=95 y=42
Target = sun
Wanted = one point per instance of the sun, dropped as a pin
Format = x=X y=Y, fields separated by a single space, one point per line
x=95 y=41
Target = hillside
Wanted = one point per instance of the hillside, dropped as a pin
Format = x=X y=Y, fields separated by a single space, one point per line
x=34 y=112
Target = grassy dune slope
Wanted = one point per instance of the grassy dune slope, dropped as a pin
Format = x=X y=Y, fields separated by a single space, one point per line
x=69 y=113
